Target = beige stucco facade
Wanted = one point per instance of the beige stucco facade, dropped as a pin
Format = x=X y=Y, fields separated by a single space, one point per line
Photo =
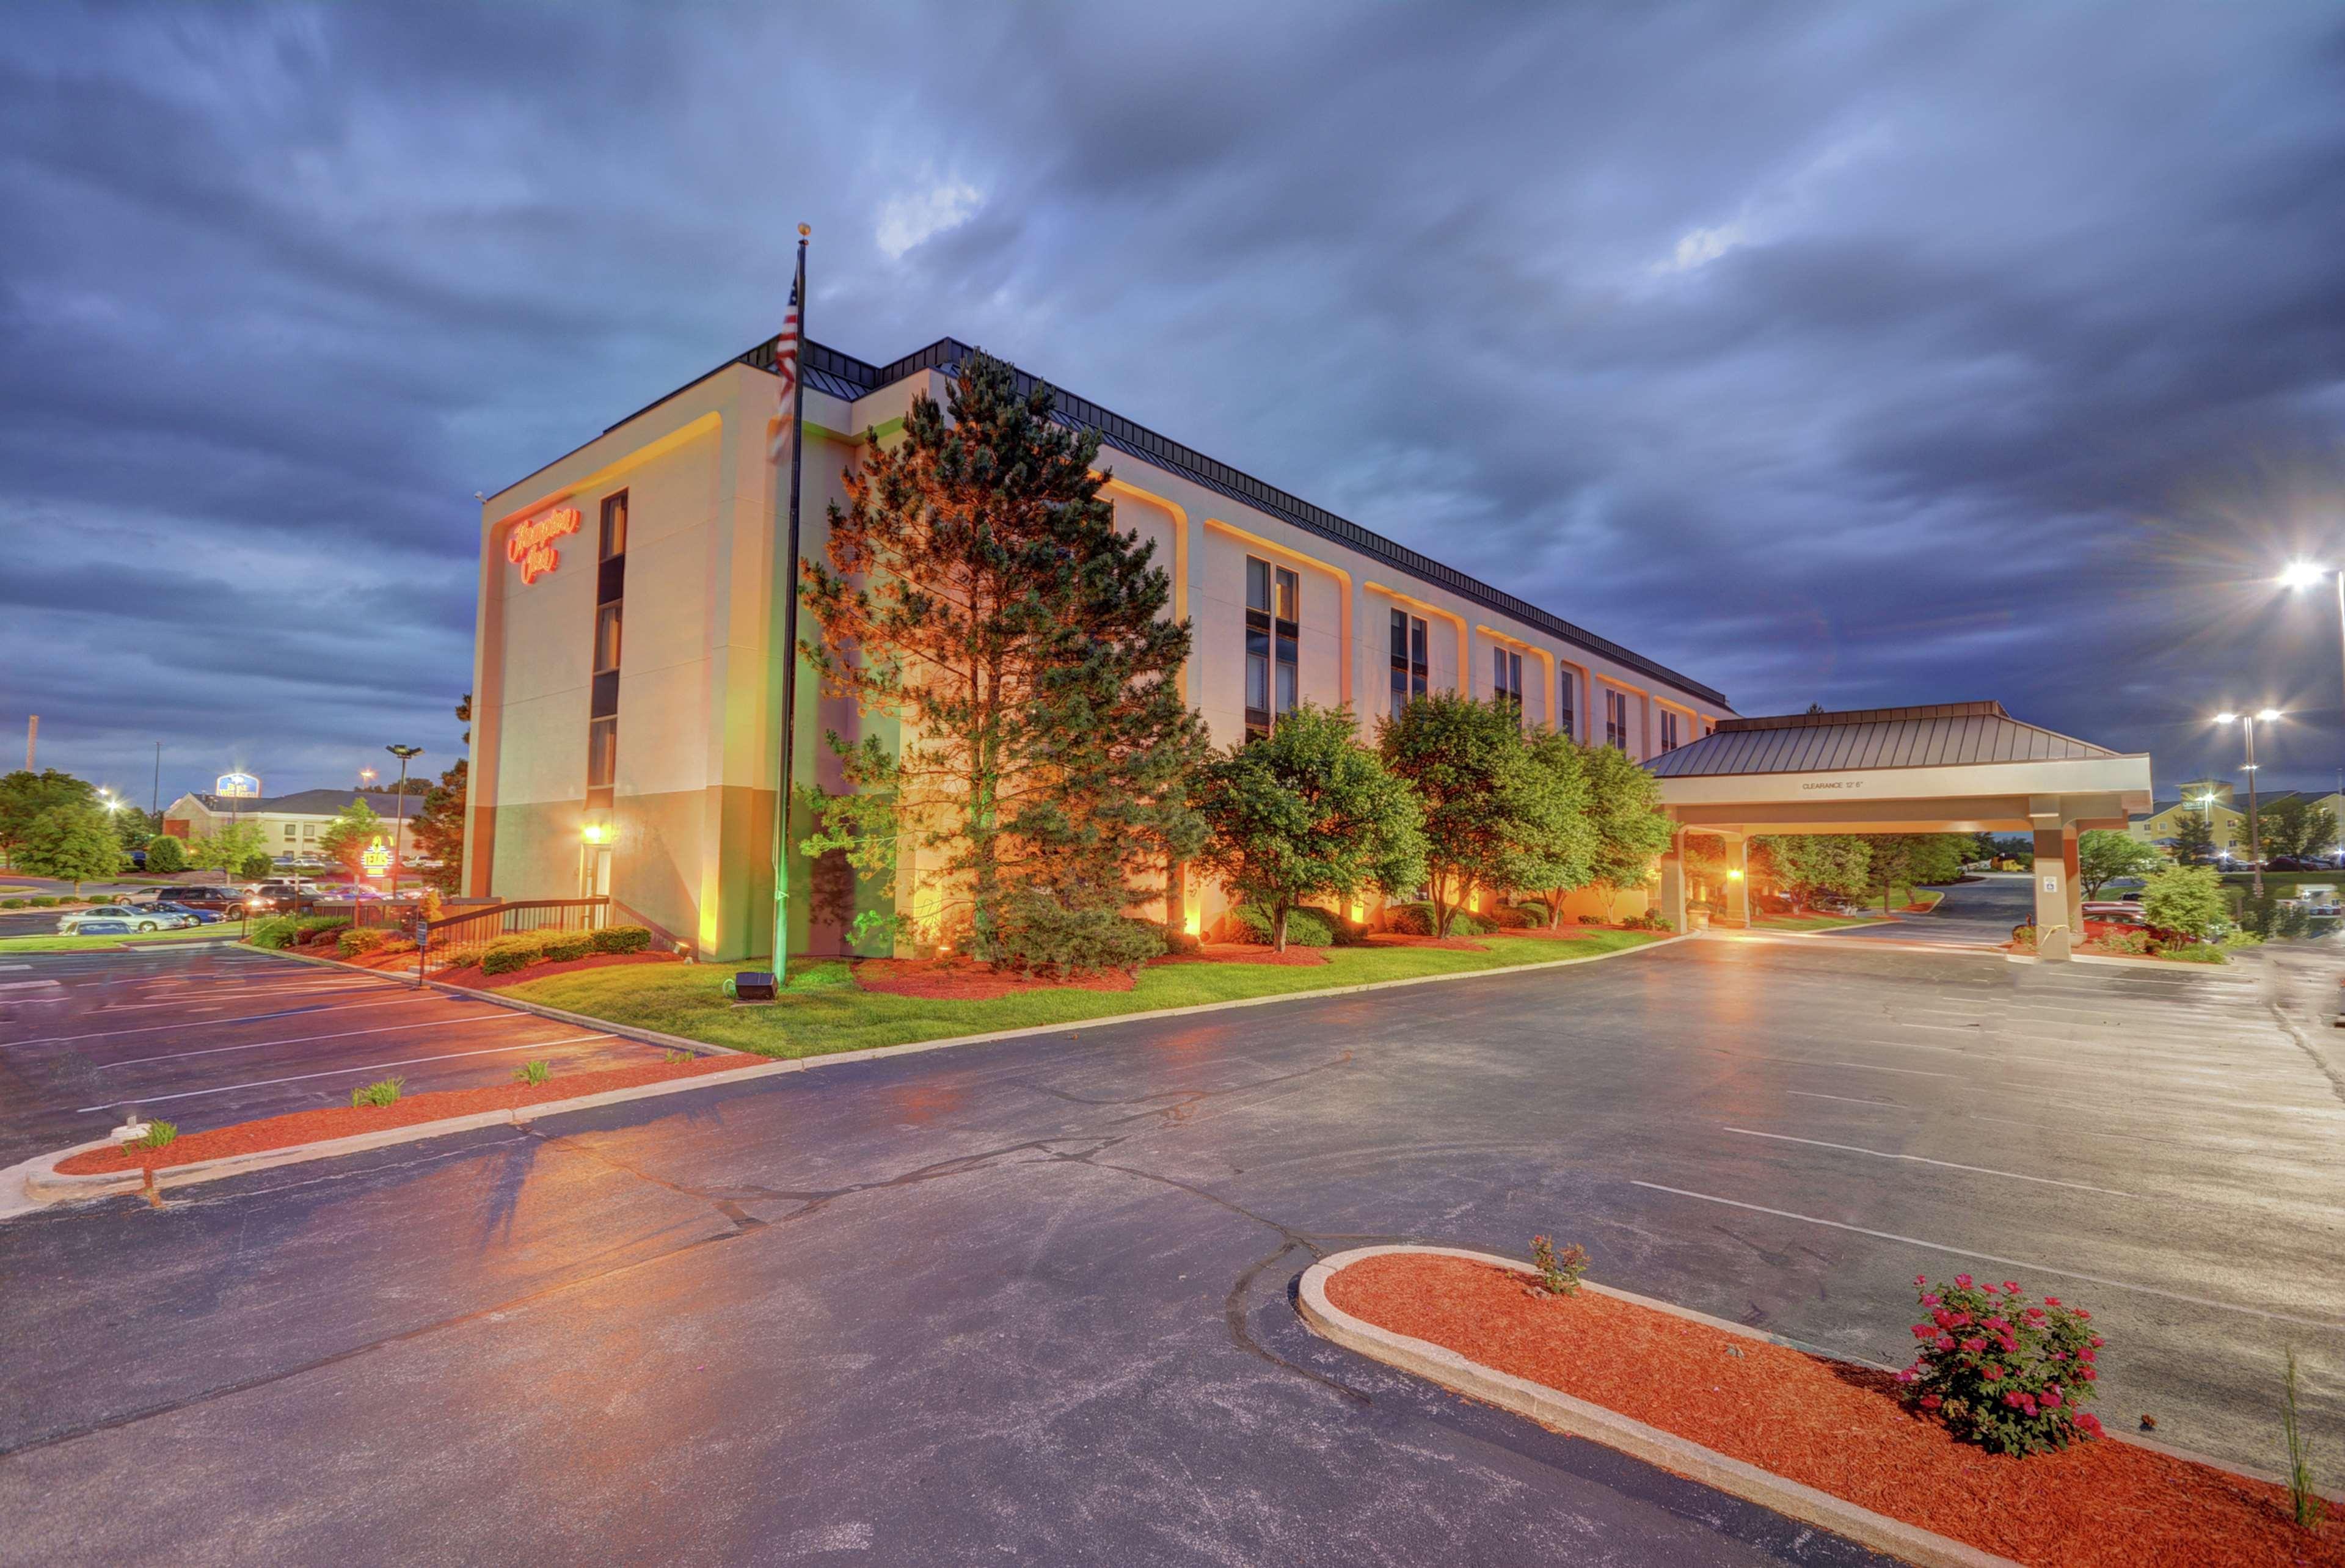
x=686 y=836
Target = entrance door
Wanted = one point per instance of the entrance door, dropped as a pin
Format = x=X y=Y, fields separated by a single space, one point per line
x=594 y=872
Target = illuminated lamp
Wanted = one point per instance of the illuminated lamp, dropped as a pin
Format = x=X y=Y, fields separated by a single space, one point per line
x=1733 y=874
x=595 y=833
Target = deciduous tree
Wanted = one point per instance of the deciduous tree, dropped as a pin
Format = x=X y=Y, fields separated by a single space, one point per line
x=229 y=848
x=166 y=854
x=1809 y=865
x=2184 y=899
x=1624 y=809
x=73 y=842
x=438 y=829
x=1493 y=818
x=2296 y=825
x=1307 y=813
x=25 y=796
x=979 y=591
x=2194 y=840
x=346 y=838
x=2104 y=854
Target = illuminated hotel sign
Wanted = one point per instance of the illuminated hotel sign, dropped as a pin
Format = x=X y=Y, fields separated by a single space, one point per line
x=237 y=786
x=375 y=859
x=531 y=545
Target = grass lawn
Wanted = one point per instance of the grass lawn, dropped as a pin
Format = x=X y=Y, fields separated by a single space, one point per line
x=218 y=932
x=823 y=1011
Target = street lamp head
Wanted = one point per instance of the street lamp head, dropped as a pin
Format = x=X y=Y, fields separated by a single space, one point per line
x=2226 y=718
x=404 y=752
x=2266 y=715
x=2301 y=574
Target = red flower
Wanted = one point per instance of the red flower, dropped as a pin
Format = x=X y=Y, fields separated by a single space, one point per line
x=2083 y=1315
x=1964 y=1281
x=1974 y=1344
x=1944 y=1342
x=1991 y=1372
x=2099 y=1341
x=2088 y=1423
x=2087 y=1374
x=1930 y=1402
x=2051 y=1398
x=1922 y=1330
x=1929 y=1300
x=1906 y=1376
x=2051 y=1300
x=2013 y=1399
x=1921 y=1280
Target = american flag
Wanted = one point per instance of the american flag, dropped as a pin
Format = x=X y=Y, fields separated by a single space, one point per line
x=785 y=365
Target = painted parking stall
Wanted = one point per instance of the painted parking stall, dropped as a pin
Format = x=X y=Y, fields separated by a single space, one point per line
x=216 y=1036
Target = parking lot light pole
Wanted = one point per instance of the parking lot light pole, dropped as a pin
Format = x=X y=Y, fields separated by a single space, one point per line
x=400 y=821
x=2255 y=839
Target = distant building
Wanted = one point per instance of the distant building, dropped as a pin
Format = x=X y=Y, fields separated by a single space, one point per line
x=2225 y=811
x=290 y=824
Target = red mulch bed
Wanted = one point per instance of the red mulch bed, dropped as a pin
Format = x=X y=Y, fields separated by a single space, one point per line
x=1551 y=933
x=344 y=1121
x=1245 y=952
x=974 y=981
x=469 y=975
x=1402 y=939
x=1837 y=1427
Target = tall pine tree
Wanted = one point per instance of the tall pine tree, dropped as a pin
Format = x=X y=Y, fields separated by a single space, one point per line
x=979 y=591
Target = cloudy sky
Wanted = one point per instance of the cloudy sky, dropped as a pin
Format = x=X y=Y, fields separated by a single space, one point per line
x=1862 y=355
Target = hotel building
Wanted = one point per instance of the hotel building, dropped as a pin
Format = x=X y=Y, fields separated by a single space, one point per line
x=629 y=639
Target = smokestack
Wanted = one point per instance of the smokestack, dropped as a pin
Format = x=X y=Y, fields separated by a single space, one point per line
x=32 y=740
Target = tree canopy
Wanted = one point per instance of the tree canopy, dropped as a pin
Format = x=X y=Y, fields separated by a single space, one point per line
x=229 y=848
x=979 y=591
x=25 y=796
x=1307 y=813
x=2297 y=825
x=355 y=828
x=2104 y=854
x=1495 y=816
x=1624 y=812
x=75 y=842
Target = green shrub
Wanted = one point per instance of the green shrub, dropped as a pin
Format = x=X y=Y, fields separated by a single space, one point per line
x=1345 y=930
x=382 y=1092
x=1412 y=918
x=1559 y=1273
x=2012 y=1378
x=256 y=866
x=459 y=954
x=1464 y=925
x=561 y=946
x=281 y=932
x=1592 y=920
x=356 y=943
x=12 y=903
x=45 y=902
x=508 y=954
x=2135 y=942
x=2184 y=899
x=158 y=1135
x=1535 y=915
x=1042 y=936
x=166 y=854
x=1651 y=920
x=2195 y=952
x=1305 y=927
x=1180 y=942
x=622 y=938
x=1511 y=917
x=533 y=1073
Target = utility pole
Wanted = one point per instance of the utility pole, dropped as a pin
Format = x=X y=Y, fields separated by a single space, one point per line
x=155 y=810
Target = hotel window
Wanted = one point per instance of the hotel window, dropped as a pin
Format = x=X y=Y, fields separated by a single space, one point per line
x=1668 y=730
x=1273 y=632
x=1506 y=677
x=1408 y=667
x=1566 y=709
x=309 y=829
x=289 y=830
x=1615 y=718
x=602 y=709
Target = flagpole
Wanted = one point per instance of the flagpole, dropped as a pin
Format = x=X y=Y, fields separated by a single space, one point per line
x=789 y=707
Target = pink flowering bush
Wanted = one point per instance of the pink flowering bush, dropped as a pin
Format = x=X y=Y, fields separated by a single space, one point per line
x=2008 y=1376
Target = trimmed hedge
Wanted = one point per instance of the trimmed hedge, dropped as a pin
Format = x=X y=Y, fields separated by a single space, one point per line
x=1416 y=920
x=1039 y=935
x=1305 y=927
x=278 y=934
x=507 y=954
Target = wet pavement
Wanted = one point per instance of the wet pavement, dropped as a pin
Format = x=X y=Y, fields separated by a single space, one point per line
x=1028 y=1300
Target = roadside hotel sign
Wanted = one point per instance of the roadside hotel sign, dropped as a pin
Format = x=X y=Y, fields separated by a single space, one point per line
x=236 y=785
x=531 y=545
x=375 y=859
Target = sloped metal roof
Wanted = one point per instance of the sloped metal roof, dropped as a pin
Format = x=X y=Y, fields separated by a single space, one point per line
x=1942 y=735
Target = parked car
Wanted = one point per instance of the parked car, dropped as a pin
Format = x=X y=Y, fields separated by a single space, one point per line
x=106 y=923
x=135 y=917
x=228 y=902
x=200 y=916
x=2299 y=864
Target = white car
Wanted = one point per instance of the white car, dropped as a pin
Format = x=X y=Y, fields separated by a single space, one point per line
x=132 y=915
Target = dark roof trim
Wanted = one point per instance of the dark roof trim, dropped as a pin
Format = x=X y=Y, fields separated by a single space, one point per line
x=848 y=377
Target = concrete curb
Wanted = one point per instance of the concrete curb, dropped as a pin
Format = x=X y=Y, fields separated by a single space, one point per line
x=1578 y=1418
x=41 y=1184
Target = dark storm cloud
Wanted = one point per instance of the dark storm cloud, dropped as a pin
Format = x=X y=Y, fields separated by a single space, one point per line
x=1862 y=356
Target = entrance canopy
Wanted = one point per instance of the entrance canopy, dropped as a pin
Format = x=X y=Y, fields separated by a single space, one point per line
x=1950 y=767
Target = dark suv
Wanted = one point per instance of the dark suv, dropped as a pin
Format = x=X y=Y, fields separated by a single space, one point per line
x=227 y=902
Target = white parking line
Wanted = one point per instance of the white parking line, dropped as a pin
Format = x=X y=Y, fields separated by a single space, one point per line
x=222 y=1023
x=1995 y=1257
x=1921 y=1160
x=309 y=1039
x=336 y=1072
x=1845 y=1099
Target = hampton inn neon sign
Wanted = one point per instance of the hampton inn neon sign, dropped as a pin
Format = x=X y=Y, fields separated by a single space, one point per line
x=531 y=545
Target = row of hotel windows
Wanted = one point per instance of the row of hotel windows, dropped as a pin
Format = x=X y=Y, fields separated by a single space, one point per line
x=610 y=593
x=1274 y=630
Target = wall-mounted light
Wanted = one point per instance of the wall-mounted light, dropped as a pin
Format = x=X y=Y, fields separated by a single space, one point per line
x=1733 y=874
x=595 y=833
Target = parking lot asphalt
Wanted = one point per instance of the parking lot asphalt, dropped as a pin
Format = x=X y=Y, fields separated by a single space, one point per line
x=1978 y=913
x=1029 y=1300
x=205 y=1035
